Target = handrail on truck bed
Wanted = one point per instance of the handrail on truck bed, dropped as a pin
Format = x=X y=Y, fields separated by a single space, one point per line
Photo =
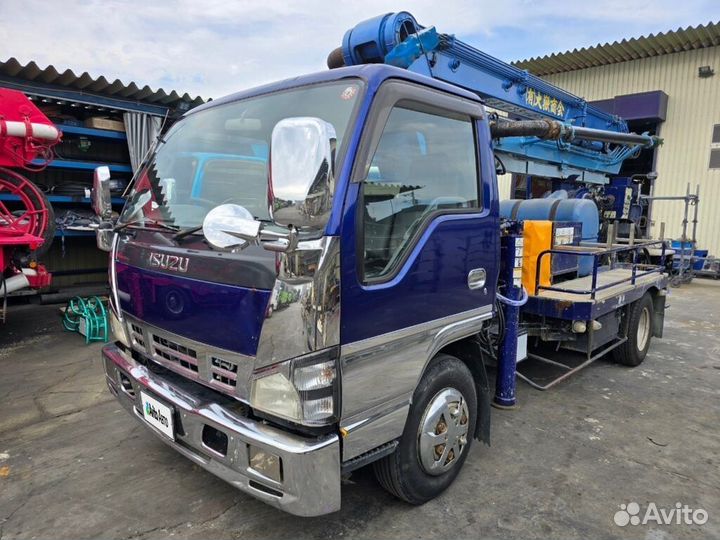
x=596 y=259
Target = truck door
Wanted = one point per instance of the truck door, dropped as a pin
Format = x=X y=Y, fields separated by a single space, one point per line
x=420 y=244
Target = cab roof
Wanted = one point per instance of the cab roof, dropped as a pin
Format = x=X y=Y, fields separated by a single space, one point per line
x=373 y=74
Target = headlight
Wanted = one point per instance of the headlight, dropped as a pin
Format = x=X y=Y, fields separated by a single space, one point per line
x=303 y=390
x=276 y=394
x=118 y=329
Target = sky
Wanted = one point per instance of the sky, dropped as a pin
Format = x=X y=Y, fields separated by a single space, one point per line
x=215 y=47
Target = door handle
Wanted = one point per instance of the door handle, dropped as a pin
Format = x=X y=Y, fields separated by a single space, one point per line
x=476 y=278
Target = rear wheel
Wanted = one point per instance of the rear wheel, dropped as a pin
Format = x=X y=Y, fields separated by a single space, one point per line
x=640 y=331
x=438 y=434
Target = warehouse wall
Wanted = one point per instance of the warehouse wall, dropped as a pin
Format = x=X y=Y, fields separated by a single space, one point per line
x=693 y=109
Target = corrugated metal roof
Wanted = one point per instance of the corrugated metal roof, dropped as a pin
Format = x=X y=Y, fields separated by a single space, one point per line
x=33 y=73
x=682 y=39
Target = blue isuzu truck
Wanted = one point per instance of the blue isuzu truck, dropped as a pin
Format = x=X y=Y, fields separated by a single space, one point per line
x=317 y=275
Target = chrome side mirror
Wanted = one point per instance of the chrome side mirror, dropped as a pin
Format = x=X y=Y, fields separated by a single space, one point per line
x=101 y=200
x=301 y=164
x=101 y=203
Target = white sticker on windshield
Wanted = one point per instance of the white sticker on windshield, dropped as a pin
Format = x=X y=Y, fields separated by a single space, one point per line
x=349 y=93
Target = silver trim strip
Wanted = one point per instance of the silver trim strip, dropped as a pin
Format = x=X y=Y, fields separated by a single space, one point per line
x=381 y=339
x=304 y=303
x=380 y=374
x=113 y=278
x=374 y=430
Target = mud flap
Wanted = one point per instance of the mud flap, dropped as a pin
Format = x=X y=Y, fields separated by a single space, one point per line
x=658 y=314
x=484 y=395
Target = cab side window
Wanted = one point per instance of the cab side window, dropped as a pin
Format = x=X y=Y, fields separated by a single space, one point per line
x=424 y=164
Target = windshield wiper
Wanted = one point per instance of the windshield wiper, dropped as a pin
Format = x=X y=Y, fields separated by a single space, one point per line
x=144 y=221
x=186 y=232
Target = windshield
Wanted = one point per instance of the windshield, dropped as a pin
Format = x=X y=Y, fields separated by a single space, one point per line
x=221 y=155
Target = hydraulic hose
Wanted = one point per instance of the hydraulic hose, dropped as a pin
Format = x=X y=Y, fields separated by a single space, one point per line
x=544 y=129
x=554 y=130
x=514 y=303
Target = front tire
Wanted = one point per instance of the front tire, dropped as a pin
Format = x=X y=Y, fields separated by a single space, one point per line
x=639 y=333
x=437 y=436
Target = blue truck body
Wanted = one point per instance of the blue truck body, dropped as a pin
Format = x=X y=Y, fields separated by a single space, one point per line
x=281 y=369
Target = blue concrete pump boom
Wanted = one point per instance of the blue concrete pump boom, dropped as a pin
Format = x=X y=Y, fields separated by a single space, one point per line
x=572 y=140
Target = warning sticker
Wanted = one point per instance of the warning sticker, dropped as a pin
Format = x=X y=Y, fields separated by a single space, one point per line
x=349 y=93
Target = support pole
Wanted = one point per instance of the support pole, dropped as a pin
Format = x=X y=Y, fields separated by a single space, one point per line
x=695 y=200
x=695 y=214
x=684 y=238
x=505 y=382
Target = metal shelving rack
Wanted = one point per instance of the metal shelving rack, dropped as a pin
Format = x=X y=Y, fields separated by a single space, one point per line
x=59 y=163
x=62 y=199
x=69 y=99
x=73 y=259
x=83 y=167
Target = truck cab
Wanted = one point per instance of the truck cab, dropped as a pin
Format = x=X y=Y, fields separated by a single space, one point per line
x=297 y=279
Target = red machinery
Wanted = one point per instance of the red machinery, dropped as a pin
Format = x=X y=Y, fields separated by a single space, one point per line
x=27 y=221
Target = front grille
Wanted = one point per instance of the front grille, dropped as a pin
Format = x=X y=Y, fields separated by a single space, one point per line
x=223 y=371
x=176 y=353
x=137 y=336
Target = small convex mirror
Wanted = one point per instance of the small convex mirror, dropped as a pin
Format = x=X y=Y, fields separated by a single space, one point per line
x=302 y=151
x=230 y=226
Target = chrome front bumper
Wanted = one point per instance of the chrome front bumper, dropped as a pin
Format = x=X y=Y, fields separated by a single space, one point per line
x=310 y=484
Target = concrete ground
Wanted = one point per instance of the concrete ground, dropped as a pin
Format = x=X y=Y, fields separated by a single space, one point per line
x=74 y=465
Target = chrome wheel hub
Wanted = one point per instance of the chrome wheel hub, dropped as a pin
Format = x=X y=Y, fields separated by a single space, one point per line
x=643 y=331
x=443 y=432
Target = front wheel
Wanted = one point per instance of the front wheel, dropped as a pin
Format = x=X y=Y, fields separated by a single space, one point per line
x=639 y=333
x=437 y=436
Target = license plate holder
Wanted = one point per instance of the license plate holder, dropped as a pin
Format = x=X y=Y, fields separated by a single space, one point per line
x=158 y=415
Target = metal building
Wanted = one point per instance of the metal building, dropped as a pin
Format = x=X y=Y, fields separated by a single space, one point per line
x=667 y=84
x=103 y=122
